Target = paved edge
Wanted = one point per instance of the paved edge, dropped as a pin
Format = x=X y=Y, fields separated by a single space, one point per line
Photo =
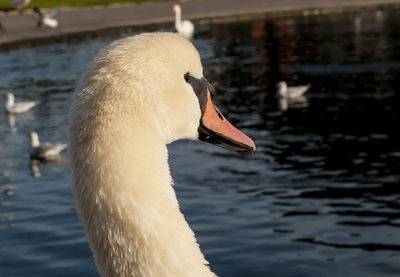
x=154 y=24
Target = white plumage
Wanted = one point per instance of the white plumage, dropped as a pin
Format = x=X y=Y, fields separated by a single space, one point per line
x=132 y=102
x=19 y=107
x=185 y=28
x=139 y=94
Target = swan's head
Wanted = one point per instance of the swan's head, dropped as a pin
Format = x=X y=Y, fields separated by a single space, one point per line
x=155 y=81
x=176 y=9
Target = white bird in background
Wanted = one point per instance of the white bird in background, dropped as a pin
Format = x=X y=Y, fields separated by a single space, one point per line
x=291 y=92
x=46 y=19
x=185 y=28
x=45 y=151
x=19 y=107
x=19 y=4
x=291 y=97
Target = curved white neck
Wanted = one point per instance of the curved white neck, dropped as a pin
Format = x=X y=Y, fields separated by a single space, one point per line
x=125 y=198
x=177 y=18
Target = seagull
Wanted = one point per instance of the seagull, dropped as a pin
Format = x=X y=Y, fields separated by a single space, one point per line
x=19 y=4
x=185 y=28
x=45 y=151
x=290 y=92
x=20 y=107
x=46 y=18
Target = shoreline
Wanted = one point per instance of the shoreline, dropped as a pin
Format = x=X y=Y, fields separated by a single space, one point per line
x=76 y=23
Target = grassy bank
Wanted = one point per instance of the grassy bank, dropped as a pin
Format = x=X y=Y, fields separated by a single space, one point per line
x=5 y=5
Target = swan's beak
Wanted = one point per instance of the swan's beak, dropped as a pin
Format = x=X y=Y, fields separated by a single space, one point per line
x=216 y=129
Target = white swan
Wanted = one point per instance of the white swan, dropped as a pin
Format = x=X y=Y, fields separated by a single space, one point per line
x=45 y=151
x=140 y=94
x=291 y=92
x=185 y=28
x=20 y=107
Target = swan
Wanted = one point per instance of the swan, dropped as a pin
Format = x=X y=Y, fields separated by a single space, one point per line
x=185 y=28
x=291 y=92
x=46 y=19
x=45 y=151
x=20 y=107
x=139 y=94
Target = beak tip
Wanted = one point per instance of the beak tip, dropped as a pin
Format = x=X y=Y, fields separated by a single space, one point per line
x=248 y=152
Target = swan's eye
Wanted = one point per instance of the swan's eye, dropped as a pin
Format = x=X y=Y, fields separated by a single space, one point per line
x=186 y=76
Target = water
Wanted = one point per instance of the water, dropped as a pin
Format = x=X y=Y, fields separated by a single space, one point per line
x=320 y=197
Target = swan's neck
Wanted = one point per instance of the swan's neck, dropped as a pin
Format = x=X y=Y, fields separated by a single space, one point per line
x=128 y=206
x=177 y=19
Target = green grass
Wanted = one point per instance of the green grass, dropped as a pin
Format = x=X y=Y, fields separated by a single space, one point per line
x=5 y=5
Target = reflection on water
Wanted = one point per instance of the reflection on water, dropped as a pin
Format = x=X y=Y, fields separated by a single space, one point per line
x=321 y=195
x=35 y=164
x=295 y=103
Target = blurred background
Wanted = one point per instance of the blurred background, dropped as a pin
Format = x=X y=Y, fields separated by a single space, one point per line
x=320 y=196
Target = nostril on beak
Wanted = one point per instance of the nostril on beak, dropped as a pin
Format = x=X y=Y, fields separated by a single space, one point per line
x=219 y=113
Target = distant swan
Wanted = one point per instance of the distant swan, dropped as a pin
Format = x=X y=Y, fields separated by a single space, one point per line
x=139 y=94
x=20 y=107
x=185 y=28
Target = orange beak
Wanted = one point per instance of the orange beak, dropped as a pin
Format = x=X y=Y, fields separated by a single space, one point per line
x=216 y=129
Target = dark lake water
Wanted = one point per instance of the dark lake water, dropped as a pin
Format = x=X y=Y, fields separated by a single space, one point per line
x=320 y=197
